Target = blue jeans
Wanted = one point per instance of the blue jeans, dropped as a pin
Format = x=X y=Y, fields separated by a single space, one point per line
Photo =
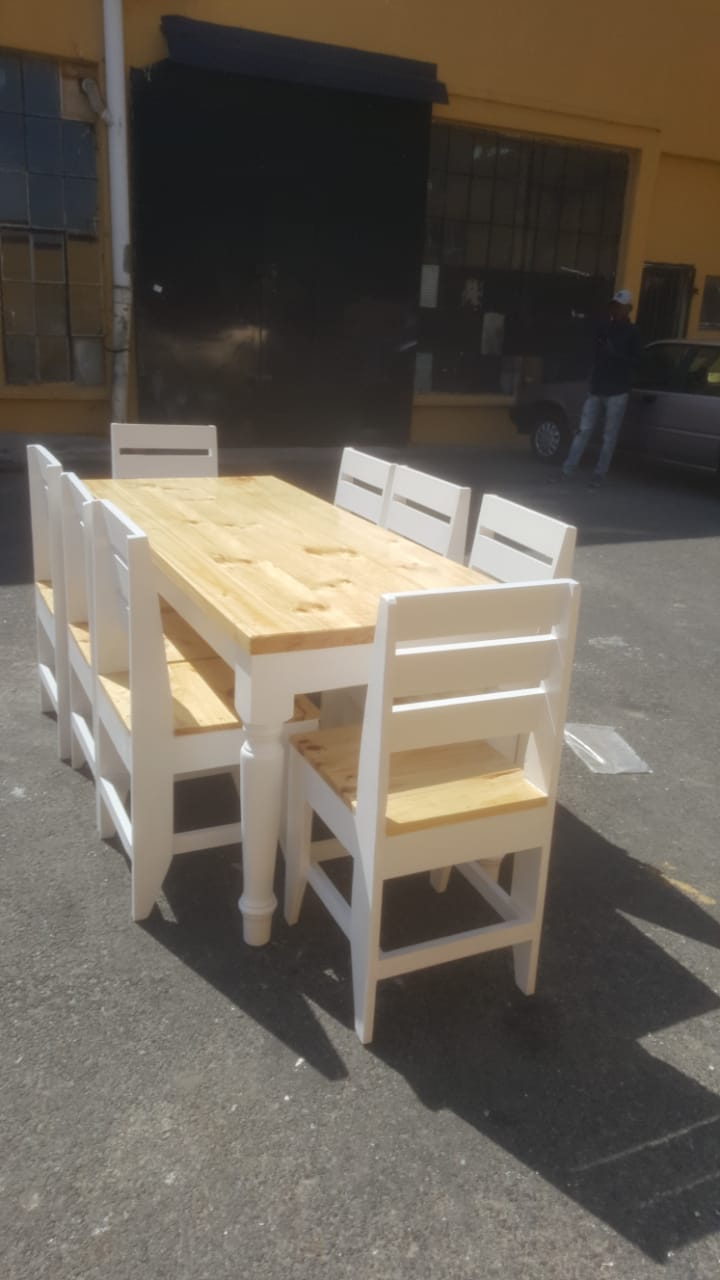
x=614 y=407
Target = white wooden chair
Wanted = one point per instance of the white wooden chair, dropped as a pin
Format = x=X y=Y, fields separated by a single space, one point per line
x=181 y=642
x=422 y=787
x=429 y=510
x=516 y=544
x=44 y=472
x=363 y=485
x=145 y=450
x=164 y=709
x=155 y=721
x=77 y=556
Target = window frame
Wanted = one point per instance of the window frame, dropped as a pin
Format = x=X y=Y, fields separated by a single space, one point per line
x=76 y=358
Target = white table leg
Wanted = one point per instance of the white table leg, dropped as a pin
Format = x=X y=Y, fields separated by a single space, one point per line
x=262 y=765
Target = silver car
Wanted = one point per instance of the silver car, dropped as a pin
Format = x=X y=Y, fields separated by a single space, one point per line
x=673 y=412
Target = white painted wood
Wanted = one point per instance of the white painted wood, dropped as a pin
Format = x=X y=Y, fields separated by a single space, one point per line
x=457 y=645
x=77 y=562
x=363 y=485
x=429 y=510
x=143 y=762
x=146 y=449
x=457 y=611
x=503 y=661
x=44 y=472
x=516 y=544
x=473 y=718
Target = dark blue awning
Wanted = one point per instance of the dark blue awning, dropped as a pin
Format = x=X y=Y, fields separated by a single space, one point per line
x=254 y=53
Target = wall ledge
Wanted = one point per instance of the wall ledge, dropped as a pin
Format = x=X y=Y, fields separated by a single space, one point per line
x=446 y=400
x=41 y=391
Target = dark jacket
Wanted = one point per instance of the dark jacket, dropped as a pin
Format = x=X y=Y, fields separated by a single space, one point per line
x=617 y=348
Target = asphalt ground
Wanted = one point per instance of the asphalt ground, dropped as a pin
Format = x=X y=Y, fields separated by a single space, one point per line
x=177 y=1105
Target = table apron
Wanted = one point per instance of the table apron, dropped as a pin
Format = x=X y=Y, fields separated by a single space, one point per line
x=266 y=683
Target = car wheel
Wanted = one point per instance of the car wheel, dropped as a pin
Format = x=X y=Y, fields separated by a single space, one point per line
x=549 y=437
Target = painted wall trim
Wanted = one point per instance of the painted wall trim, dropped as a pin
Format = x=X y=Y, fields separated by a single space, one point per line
x=518 y=118
x=545 y=107
x=447 y=399
x=52 y=391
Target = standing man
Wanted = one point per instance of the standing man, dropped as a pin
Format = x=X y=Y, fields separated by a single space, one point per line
x=617 y=347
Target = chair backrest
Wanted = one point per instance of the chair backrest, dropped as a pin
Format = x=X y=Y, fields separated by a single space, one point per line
x=44 y=472
x=429 y=510
x=473 y=664
x=77 y=547
x=516 y=544
x=142 y=450
x=363 y=485
x=126 y=622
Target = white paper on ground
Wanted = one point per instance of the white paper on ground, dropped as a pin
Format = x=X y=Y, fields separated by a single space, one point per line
x=601 y=748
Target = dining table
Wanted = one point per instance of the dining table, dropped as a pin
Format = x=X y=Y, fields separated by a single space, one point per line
x=285 y=587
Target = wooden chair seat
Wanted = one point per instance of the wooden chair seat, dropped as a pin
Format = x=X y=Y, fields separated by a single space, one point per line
x=182 y=643
x=80 y=632
x=202 y=694
x=45 y=591
x=430 y=787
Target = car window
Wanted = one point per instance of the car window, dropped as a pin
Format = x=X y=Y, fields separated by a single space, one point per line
x=661 y=366
x=702 y=374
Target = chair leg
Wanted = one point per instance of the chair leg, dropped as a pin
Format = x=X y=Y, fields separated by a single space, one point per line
x=105 y=822
x=296 y=841
x=365 y=948
x=439 y=879
x=528 y=891
x=103 y=817
x=152 y=842
x=77 y=755
x=45 y=658
x=64 y=735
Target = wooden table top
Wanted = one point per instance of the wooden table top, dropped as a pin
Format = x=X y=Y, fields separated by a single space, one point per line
x=278 y=568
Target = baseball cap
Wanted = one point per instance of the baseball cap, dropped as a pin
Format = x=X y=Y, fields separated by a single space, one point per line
x=624 y=297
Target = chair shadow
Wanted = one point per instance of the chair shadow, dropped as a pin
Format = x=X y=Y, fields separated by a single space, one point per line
x=560 y=1080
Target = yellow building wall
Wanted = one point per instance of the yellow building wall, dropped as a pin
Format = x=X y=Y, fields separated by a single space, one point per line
x=650 y=62
x=636 y=74
x=685 y=224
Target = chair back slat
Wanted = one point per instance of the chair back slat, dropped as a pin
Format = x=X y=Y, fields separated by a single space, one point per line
x=363 y=485
x=447 y=721
x=508 y=608
x=430 y=511
x=44 y=472
x=127 y=624
x=513 y=543
x=77 y=555
x=154 y=450
x=446 y=670
x=505 y=563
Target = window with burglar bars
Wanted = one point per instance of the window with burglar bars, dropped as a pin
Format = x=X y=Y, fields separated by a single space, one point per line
x=504 y=202
x=50 y=269
x=522 y=235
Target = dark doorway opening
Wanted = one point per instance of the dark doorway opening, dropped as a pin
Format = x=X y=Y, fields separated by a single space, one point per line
x=665 y=296
x=278 y=234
